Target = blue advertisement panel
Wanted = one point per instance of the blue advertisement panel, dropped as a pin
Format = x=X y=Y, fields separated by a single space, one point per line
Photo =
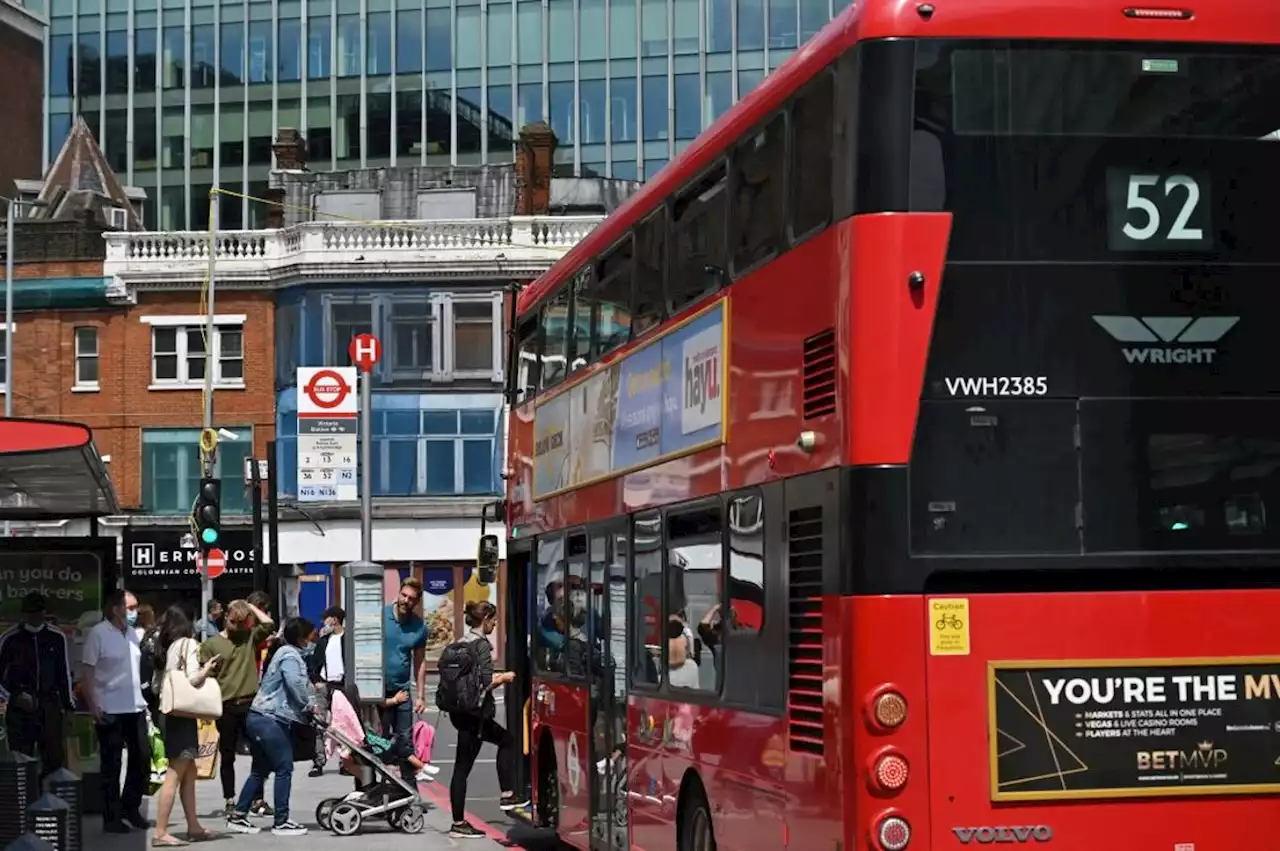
x=664 y=399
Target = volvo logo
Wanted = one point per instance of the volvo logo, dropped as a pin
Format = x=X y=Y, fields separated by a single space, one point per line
x=1002 y=834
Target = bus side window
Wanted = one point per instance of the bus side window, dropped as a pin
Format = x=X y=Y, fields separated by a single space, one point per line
x=529 y=344
x=580 y=338
x=577 y=648
x=650 y=304
x=549 y=633
x=812 y=137
x=759 y=208
x=695 y=564
x=555 y=339
x=645 y=618
x=746 y=609
x=613 y=300
x=699 y=240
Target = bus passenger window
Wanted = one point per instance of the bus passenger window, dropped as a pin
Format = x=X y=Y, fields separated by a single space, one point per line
x=580 y=339
x=698 y=241
x=577 y=648
x=549 y=636
x=695 y=556
x=528 y=343
x=650 y=306
x=759 y=208
x=645 y=618
x=812 y=140
x=613 y=300
x=555 y=339
x=746 y=568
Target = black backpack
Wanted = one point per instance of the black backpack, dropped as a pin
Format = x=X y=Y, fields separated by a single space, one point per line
x=460 y=689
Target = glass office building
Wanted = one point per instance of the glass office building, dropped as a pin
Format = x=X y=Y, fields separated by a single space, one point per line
x=185 y=94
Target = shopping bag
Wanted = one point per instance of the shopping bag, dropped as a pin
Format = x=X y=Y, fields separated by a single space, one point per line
x=207 y=753
x=159 y=764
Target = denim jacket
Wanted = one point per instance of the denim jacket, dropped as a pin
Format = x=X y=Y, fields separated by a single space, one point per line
x=285 y=693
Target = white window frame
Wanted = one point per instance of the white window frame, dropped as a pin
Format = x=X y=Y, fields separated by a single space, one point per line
x=183 y=324
x=80 y=385
x=118 y=218
x=461 y=404
x=442 y=340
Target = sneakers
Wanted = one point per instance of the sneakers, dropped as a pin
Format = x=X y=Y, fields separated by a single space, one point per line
x=261 y=810
x=289 y=828
x=229 y=808
x=462 y=830
x=427 y=773
x=512 y=802
x=239 y=823
x=316 y=771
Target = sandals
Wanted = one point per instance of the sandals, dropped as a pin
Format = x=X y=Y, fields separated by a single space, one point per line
x=168 y=842
x=205 y=835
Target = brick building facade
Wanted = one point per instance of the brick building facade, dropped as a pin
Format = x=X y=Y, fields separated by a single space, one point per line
x=22 y=34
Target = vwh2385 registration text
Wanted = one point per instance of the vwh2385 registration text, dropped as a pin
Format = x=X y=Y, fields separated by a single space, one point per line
x=998 y=385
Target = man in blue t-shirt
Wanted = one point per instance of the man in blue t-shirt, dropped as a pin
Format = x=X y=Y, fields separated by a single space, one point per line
x=404 y=634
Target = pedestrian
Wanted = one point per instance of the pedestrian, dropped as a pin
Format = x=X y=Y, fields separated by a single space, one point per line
x=211 y=624
x=179 y=653
x=244 y=628
x=109 y=680
x=285 y=698
x=477 y=726
x=35 y=668
x=326 y=669
x=404 y=644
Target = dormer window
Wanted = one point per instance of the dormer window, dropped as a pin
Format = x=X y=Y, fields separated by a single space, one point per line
x=118 y=218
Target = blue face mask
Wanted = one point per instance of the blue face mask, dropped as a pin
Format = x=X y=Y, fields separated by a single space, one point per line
x=131 y=618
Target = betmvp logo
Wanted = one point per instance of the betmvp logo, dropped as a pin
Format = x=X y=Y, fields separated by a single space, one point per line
x=1169 y=339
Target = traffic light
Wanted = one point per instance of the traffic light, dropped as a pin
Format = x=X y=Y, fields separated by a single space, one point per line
x=208 y=513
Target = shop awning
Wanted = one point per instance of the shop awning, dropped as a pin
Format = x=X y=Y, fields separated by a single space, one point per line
x=60 y=293
x=51 y=470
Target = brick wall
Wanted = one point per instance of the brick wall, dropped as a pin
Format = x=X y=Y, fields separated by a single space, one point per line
x=22 y=93
x=44 y=373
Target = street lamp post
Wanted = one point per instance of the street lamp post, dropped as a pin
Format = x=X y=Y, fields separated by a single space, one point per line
x=12 y=213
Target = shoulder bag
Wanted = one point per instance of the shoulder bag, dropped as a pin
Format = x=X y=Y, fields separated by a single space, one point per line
x=181 y=699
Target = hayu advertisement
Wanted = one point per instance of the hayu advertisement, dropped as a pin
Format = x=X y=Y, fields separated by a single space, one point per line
x=662 y=400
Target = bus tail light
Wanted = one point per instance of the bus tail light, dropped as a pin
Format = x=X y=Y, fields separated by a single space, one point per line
x=890 y=771
x=888 y=709
x=893 y=833
x=1159 y=14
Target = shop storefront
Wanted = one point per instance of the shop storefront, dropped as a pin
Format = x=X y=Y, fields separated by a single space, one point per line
x=159 y=571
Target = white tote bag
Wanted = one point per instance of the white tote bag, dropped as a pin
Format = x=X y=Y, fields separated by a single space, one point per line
x=179 y=698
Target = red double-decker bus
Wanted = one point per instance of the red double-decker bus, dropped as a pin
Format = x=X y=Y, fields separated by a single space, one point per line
x=898 y=468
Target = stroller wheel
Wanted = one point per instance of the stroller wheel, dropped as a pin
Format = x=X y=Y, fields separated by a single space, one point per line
x=412 y=819
x=345 y=819
x=323 y=811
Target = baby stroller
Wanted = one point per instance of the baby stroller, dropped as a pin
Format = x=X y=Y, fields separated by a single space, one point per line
x=383 y=792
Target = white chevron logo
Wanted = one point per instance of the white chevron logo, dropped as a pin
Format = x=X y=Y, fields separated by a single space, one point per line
x=1174 y=340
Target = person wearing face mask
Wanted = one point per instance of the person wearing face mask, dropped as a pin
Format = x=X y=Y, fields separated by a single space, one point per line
x=245 y=627
x=35 y=668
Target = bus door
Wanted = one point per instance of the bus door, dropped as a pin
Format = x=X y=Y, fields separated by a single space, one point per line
x=607 y=635
x=517 y=588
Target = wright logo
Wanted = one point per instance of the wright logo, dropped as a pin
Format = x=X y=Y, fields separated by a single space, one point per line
x=1168 y=339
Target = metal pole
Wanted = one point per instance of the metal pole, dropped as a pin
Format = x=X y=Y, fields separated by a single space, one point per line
x=366 y=467
x=206 y=584
x=255 y=482
x=8 y=319
x=272 y=583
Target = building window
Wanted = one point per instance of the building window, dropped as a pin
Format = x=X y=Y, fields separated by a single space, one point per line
x=178 y=351
x=171 y=469
x=86 y=343
x=459 y=449
x=437 y=337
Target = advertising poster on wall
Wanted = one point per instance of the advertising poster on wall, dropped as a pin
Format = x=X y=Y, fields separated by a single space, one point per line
x=1108 y=730
x=660 y=401
x=437 y=608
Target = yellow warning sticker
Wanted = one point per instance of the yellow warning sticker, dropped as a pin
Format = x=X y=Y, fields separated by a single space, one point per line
x=949 y=626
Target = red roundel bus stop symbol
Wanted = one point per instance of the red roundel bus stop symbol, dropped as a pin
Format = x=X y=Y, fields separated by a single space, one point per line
x=214 y=564
x=327 y=389
x=365 y=351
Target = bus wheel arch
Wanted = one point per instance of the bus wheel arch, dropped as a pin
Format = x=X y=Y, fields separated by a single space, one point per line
x=695 y=830
x=548 y=781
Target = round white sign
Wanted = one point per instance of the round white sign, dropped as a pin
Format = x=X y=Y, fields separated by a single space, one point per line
x=575 y=765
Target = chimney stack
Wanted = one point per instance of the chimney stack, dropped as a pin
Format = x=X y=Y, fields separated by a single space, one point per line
x=290 y=151
x=535 y=152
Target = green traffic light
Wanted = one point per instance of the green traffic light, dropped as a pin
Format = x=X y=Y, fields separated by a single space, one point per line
x=209 y=536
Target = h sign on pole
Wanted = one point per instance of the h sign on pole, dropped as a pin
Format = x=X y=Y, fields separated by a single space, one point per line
x=365 y=351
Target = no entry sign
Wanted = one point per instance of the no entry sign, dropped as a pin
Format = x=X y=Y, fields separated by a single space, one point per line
x=214 y=564
x=327 y=392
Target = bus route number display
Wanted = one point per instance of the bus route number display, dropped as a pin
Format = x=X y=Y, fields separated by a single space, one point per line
x=1141 y=728
x=1158 y=211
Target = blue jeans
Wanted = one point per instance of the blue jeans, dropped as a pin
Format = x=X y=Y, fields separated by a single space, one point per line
x=272 y=749
x=398 y=721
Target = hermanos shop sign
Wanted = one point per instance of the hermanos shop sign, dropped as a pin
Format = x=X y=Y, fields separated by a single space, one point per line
x=157 y=555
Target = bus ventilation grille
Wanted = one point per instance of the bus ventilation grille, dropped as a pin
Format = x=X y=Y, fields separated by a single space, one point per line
x=820 y=375
x=805 y=632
